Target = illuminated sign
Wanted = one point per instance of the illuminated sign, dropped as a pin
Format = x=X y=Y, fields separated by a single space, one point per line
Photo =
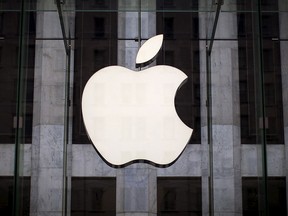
x=130 y=115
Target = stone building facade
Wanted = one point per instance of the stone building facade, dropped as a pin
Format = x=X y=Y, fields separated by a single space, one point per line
x=235 y=99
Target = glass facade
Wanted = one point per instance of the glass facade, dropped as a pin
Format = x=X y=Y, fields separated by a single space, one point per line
x=235 y=99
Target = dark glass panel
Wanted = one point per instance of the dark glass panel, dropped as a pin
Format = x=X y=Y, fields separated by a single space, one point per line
x=272 y=76
x=93 y=196
x=11 y=4
x=6 y=195
x=177 y=5
x=178 y=25
x=96 y=5
x=168 y=29
x=266 y=5
x=270 y=25
x=251 y=188
x=273 y=93
x=9 y=63
x=179 y=196
x=95 y=48
x=99 y=25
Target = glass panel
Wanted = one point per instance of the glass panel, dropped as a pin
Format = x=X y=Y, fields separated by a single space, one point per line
x=236 y=112
x=95 y=48
x=8 y=77
x=257 y=73
x=272 y=79
x=17 y=45
x=179 y=196
x=235 y=98
x=32 y=72
x=276 y=199
x=90 y=196
x=6 y=196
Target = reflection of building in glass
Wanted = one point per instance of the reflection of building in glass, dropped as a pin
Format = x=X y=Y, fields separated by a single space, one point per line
x=272 y=76
x=245 y=53
x=9 y=54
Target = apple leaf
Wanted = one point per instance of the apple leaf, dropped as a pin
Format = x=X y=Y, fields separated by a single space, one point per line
x=149 y=50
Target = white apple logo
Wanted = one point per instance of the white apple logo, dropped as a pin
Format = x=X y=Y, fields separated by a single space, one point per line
x=130 y=115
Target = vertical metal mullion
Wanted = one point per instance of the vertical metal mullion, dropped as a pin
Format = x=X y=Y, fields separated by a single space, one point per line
x=19 y=109
x=218 y=9
x=209 y=132
x=262 y=108
x=67 y=45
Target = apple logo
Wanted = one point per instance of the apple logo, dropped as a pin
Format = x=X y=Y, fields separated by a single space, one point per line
x=130 y=115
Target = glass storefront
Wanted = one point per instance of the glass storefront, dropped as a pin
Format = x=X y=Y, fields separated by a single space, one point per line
x=235 y=98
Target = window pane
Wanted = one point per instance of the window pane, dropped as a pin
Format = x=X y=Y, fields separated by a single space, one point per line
x=179 y=196
x=93 y=196
x=251 y=195
x=95 y=48
x=6 y=195
x=272 y=78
